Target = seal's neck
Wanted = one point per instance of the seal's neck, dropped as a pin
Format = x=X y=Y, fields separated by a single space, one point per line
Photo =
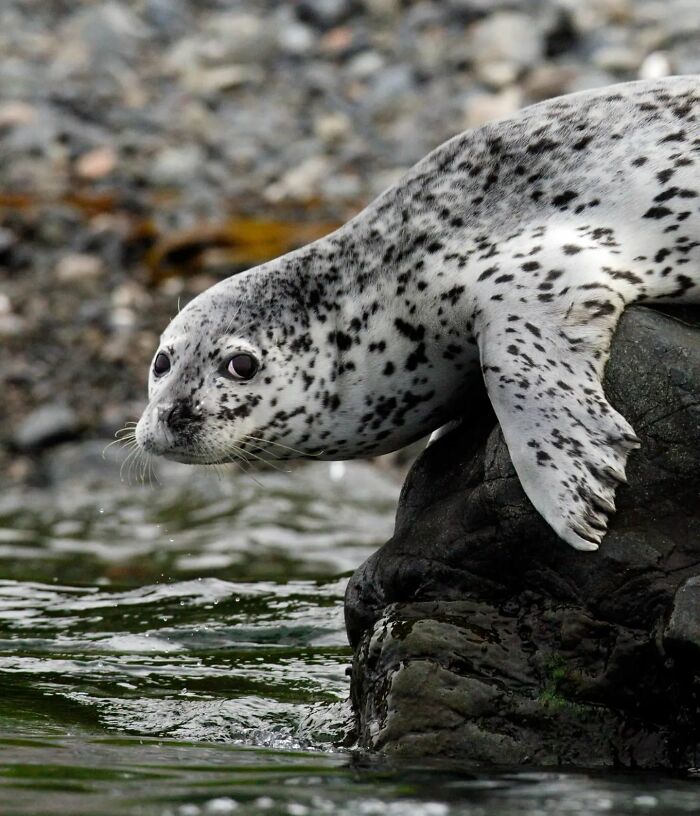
x=379 y=381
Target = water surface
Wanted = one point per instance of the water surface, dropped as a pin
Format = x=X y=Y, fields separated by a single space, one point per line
x=179 y=650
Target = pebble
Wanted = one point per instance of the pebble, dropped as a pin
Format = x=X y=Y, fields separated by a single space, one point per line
x=96 y=164
x=16 y=113
x=332 y=128
x=510 y=38
x=616 y=59
x=383 y=9
x=46 y=425
x=216 y=80
x=295 y=38
x=169 y=18
x=10 y=323
x=110 y=31
x=388 y=87
x=300 y=183
x=78 y=267
x=176 y=165
x=486 y=107
x=8 y=240
x=365 y=65
x=237 y=37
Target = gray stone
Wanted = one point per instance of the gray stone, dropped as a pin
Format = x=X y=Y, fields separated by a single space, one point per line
x=388 y=86
x=506 y=37
x=237 y=37
x=39 y=134
x=168 y=18
x=479 y=634
x=177 y=165
x=47 y=425
x=296 y=39
x=109 y=30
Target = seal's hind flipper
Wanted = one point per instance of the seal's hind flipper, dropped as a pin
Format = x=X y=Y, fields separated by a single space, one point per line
x=568 y=444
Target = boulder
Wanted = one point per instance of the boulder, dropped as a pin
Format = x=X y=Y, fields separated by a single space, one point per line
x=478 y=634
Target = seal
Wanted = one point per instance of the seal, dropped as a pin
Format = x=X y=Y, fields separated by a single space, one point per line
x=508 y=253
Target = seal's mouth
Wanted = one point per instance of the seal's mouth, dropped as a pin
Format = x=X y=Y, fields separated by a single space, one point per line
x=158 y=441
x=154 y=438
x=187 y=445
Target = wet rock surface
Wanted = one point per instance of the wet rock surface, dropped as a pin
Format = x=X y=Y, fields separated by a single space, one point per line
x=478 y=634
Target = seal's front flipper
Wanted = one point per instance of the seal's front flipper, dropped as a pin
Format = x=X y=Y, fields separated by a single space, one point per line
x=568 y=444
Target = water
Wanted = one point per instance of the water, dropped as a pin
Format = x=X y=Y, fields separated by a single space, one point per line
x=180 y=650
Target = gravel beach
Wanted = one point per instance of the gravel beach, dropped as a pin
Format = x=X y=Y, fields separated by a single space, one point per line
x=149 y=148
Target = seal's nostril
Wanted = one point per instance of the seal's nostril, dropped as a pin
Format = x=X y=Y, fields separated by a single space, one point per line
x=164 y=412
x=178 y=414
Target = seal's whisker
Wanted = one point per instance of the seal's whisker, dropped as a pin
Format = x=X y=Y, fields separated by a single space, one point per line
x=124 y=436
x=241 y=462
x=280 y=445
x=121 y=442
x=261 y=458
x=132 y=465
x=137 y=466
x=152 y=472
x=215 y=464
x=144 y=468
x=267 y=462
x=128 y=457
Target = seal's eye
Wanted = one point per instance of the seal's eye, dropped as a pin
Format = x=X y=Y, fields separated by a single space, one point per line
x=161 y=365
x=242 y=366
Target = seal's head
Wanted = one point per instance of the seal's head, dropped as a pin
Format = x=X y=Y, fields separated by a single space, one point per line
x=289 y=360
x=230 y=377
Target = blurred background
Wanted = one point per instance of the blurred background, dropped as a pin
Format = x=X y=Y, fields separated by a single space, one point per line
x=151 y=147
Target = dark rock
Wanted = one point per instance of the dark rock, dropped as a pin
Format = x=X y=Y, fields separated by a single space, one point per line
x=479 y=634
x=324 y=13
x=683 y=630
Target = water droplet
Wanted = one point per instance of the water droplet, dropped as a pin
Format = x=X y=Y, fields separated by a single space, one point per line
x=336 y=471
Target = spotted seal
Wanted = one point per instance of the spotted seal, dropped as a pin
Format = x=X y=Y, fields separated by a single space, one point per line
x=509 y=252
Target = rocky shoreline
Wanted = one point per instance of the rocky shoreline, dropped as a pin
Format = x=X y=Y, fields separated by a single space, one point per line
x=150 y=147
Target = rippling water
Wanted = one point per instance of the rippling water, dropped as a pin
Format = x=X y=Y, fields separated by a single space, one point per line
x=180 y=650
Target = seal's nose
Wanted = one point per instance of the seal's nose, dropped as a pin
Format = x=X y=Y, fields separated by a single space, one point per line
x=164 y=411
x=178 y=414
